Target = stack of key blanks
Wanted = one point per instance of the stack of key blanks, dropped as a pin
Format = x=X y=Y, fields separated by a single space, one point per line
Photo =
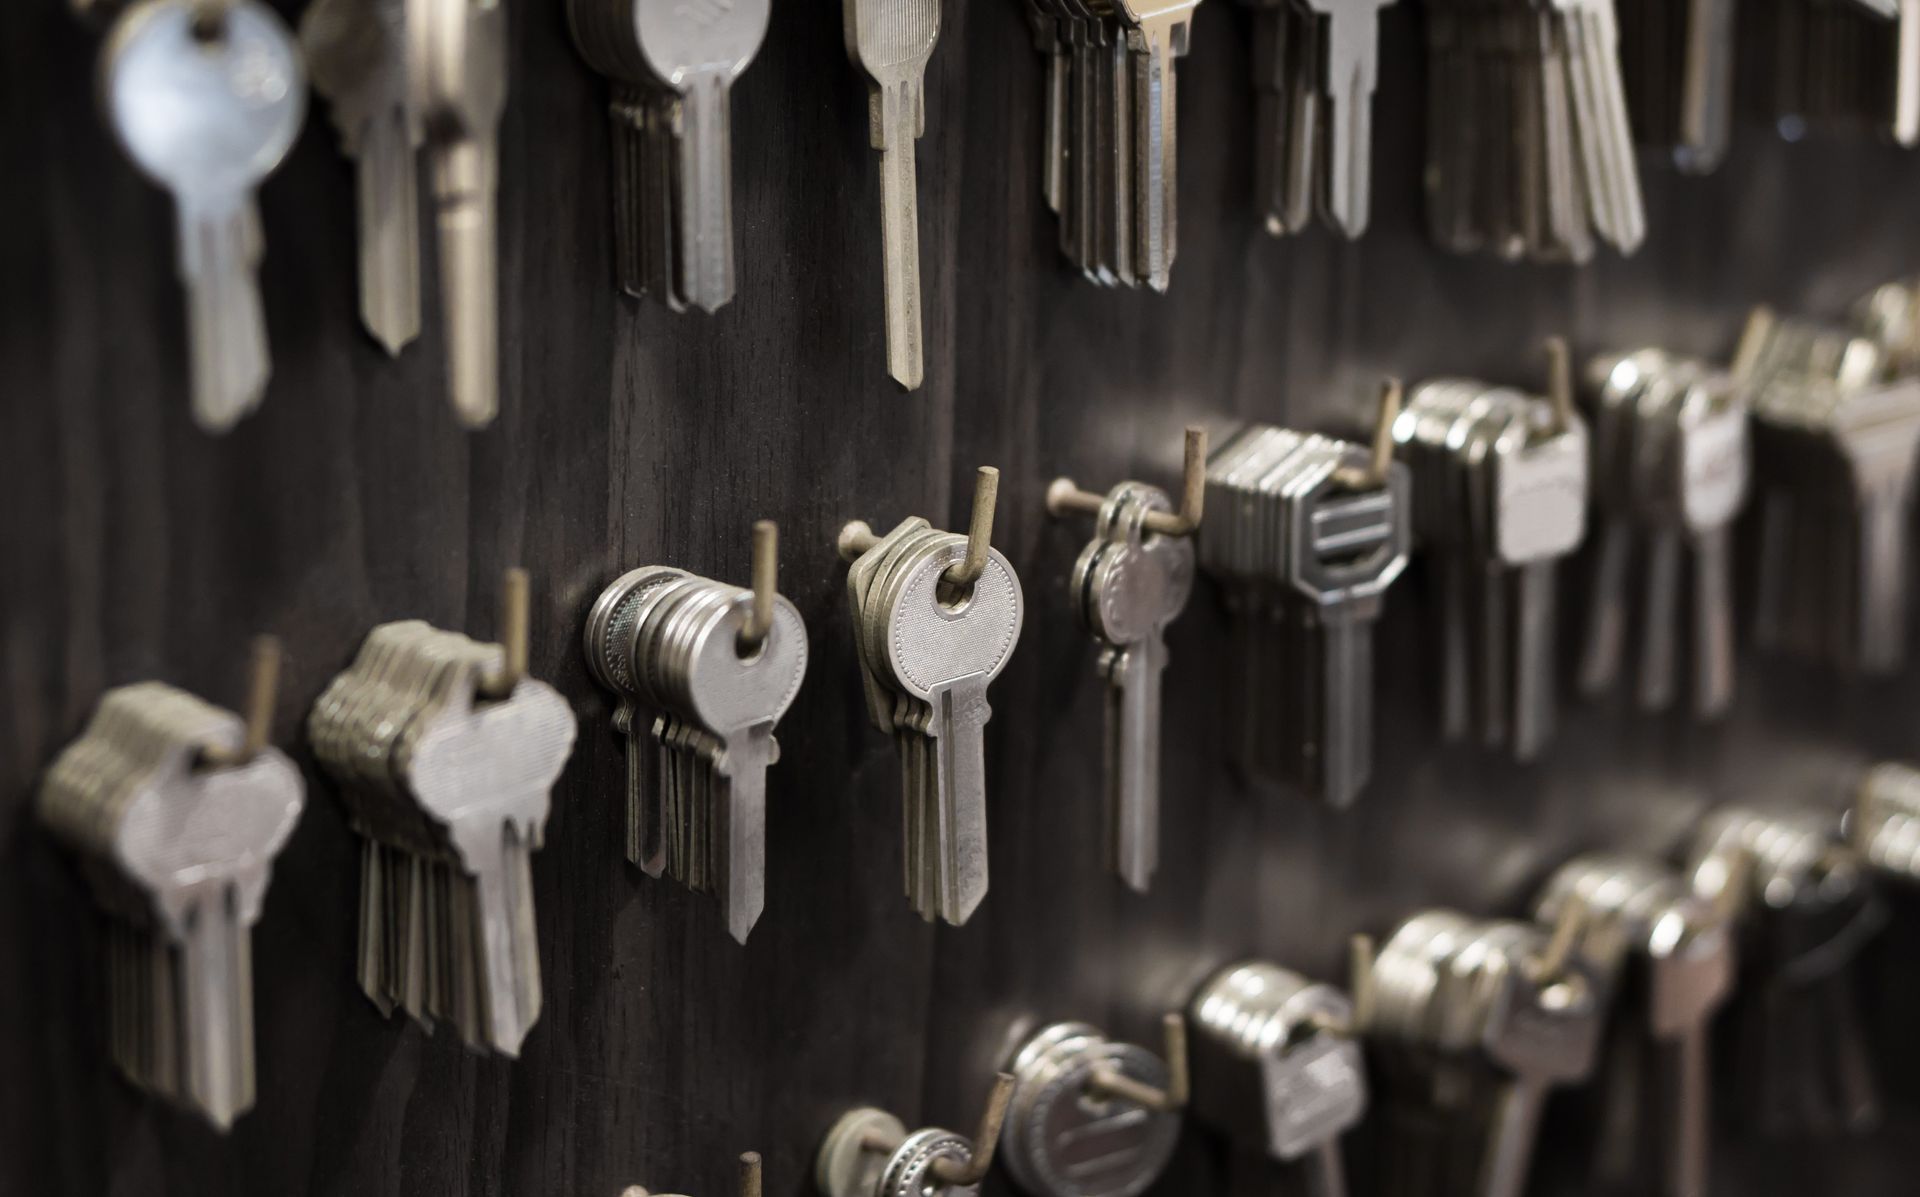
x=1128 y=585
x=445 y=760
x=1673 y=954
x=1807 y=904
x=1474 y=1023
x=1670 y=469
x=1305 y=533
x=1315 y=66
x=1834 y=440
x=1502 y=477
x=179 y=850
x=1884 y=822
x=1836 y=64
x=928 y=650
x=672 y=66
x=1677 y=62
x=698 y=705
x=1108 y=155
x=1529 y=149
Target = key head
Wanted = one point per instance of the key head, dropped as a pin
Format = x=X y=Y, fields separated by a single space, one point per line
x=474 y=765
x=931 y=643
x=1073 y=1141
x=892 y=39
x=1539 y=500
x=1694 y=963
x=1346 y=546
x=730 y=691
x=686 y=39
x=845 y=1165
x=1316 y=1091
x=203 y=115
x=1550 y=1027
x=1134 y=582
x=355 y=51
x=614 y=621
x=457 y=65
x=909 y=1173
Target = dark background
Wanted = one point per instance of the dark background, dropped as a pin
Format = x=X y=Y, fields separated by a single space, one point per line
x=134 y=547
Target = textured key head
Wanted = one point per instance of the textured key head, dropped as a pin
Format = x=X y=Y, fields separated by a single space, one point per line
x=687 y=39
x=1064 y=1139
x=457 y=64
x=203 y=115
x=132 y=791
x=909 y=1173
x=891 y=39
x=729 y=690
x=481 y=763
x=1340 y=544
x=930 y=642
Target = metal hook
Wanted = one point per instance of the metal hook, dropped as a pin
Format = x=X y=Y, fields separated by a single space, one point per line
x=1360 y=991
x=1064 y=494
x=263 y=691
x=514 y=617
x=766 y=584
x=749 y=1179
x=1560 y=382
x=986 y=494
x=1753 y=339
x=1551 y=965
x=1375 y=472
x=986 y=1139
x=1111 y=1082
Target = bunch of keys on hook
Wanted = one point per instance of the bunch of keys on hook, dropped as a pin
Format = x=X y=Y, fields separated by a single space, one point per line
x=177 y=809
x=869 y=1153
x=1130 y=582
x=445 y=752
x=936 y=617
x=704 y=671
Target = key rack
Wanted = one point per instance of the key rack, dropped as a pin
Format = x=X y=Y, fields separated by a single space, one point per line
x=140 y=547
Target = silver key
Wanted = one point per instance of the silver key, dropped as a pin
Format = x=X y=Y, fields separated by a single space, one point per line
x=457 y=69
x=1066 y=1137
x=891 y=40
x=209 y=117
x=356 y=50
x=193 y=841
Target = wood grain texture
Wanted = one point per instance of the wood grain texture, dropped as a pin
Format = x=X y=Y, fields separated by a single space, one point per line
x=135 y=547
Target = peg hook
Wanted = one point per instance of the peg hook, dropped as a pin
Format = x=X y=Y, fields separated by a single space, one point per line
x=986 y=1139
x=1111 y=1082
x=986 y=495
x=1064 y=494
x=1560 y=382
x=766 y=584
x=263 y=690
x=514 y=617
x=1375 y=471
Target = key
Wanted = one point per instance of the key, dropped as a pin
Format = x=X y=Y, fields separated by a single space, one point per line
x=209 y=114
x=1157 y=34
x=1352 y=30
x=179 y=813
x=910 y=1171
x=457 y=70
x=698 y=48
x=1132 y=586
x=891 y=40
x=1067 y=1137
x=945 y=658
x=356 y=51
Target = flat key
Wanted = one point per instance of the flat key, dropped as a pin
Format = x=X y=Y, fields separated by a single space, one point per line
x=1157 y=35
x=892 y=40
x=1351 y=66
x=698 y=49
x=457 y=67
x=356 y=52
x=208 y=120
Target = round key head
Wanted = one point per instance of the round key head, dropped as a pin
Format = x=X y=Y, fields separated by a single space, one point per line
x=355 y=52
x=611 y=623
x=931 y=642
x=910 y=1172
x=1074 y=1141
x=1141 y=580
x=203 y=111
x=887 y=36
x=730 y=689
x=687 y=39
x=457 y=64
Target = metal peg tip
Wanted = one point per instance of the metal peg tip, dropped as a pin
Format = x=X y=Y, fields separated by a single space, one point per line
x=986 y=493
x=514 y=638
x=766 y=584
x=263 y=691
x=749 y=1174
x=1560 y=382
x=855 y=538
x=1375 y=473
x=1361 y=954
x=1551 y=964
x=1753 y=337
x=1193 y=480
x=986 y=1139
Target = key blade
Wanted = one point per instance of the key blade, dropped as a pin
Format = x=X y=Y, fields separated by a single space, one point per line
x=216 y=997
x=706 y=182
x=498 y=860
x=958 y=733
x=469 y=281
x=387 y=180
x=900 y=231
x=741 y=799
x=1133 y=764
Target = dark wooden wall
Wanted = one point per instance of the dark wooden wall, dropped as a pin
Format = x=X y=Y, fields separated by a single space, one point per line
x=133 y=546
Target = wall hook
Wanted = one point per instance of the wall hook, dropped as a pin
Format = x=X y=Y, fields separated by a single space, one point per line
x=263 y=690
x=1560 y=382
x=766 y=585
x=749 y=1180
x=1375 y=472
x=514 y=618
x=857 y=536
x=1110 y=1082
x=1064 y=495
